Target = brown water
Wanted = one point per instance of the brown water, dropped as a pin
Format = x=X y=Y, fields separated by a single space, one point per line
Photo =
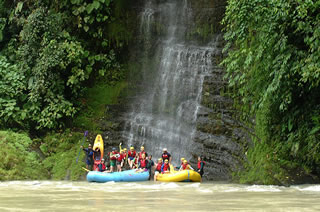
x=149 y=196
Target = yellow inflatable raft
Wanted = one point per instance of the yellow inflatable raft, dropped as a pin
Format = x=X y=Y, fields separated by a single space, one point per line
x=180 y=176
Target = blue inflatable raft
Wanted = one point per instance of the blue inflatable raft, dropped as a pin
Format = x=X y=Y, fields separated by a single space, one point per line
x=125 y=176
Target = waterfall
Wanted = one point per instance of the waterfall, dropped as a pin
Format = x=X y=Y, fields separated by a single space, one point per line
x=165 y=113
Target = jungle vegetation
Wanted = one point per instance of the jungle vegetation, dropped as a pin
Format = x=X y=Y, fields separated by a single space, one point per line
x=50 y=53
x=273 y=67
x=55 y=56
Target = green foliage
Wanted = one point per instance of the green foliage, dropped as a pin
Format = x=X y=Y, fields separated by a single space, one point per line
x=18 y=162
x=61 y=151
x=40 y=75
x=51 y=52
x=273 y=67
x=11 y=86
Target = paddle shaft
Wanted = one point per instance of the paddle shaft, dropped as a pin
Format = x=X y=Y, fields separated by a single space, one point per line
x=84 y=138
x=87 y=170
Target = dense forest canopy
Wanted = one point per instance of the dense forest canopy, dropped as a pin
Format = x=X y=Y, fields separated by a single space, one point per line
x=50 y=51
x=273 y=66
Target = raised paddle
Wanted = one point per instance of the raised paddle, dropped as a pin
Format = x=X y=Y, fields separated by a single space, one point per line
x=84 y=138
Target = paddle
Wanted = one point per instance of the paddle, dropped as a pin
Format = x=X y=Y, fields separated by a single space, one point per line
x=87 y=170
x=84 y=138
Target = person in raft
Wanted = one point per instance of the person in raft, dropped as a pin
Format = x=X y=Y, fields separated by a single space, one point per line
x=150 y=165
x=166 y=155
x=165 y=168
x=89 y=153
x=119 y=161
x=142 y=164
x=124 y=158
x=201 y=165
x=102 y=166
x=135 y=162
x=178 y=167
x=131 y=155
x=185 y=166
x=113 y=158
x=141 y=153
x=124 y=155
x=158 y=169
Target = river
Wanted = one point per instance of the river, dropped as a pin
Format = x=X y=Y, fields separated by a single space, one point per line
x=150 y=196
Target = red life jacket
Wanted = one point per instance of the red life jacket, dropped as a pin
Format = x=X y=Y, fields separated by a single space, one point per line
x=185 y=166
x=119 y=158
x=132 y=154
x=166 y=167
x=124 y=155
x=158 y=168
x=199 y=164
x=141 y=153
x=165 y=156
x=103 y=167
x=113 y=156
x=143 y=163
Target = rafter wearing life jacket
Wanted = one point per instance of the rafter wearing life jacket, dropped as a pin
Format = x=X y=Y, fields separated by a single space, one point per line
x=143 y=163
x=165 y=166
x=120 y=157
x=185 y=166
x=159 y=165
x=201 y=165
x=166 y=155
x=113 y=155
x=102 y=166
x=132 y=153
x=142 y=152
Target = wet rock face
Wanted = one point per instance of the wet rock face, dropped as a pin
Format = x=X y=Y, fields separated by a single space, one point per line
x=208 y=11
x=220 y=138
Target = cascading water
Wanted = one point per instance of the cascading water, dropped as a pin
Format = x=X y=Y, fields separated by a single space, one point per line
x=165 y=115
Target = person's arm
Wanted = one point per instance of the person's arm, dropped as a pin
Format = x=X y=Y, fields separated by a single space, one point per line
x=190 y=167
x=120 y=149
